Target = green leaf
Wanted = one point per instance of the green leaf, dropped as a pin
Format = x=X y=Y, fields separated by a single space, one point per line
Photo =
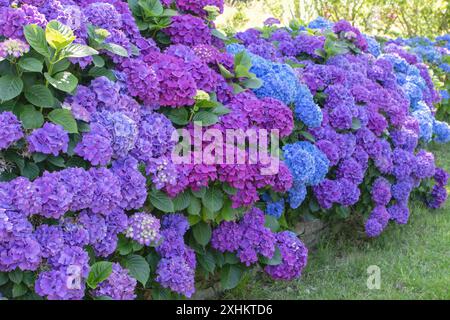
x=39 y=157
x=253 y=83
x=3 y=278
x=124 y=245
x=100 y=271
x=57 y=161
x=242 y=59
x=114 y=48
x=194 y=207
x=182 y=201
x=31 y=118
x=308 y=136
x=230 y=276
x=272 y=223
x=98 y=61
x=356 y=124
x=202 y=233
x=58 y=35
x=225 y=73
x=221 y=110
x=64 y=81
x=10 y=87
x=19 y=290
x=76 y=50
x=218 y=34
x=39 y=95
x=242 y=72
x=31 y=171
x=228 y=213
x=179 y=116
x=161 y=201
x=152 y=8
x=213 y=199
x=231 y=258
x=138 y=267
x=61 y=66
x=16 y=276
x=206 y=118
x=207 y=261
x=102 y=72
x=64 y=118
x=274 y=261
x=31 y=64
x=35 y=36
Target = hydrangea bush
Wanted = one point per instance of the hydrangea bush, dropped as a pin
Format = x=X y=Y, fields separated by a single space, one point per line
x=92 y=92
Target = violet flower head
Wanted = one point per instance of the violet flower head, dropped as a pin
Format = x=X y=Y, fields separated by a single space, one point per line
x=10 y=129
x=50 y=139
x=144 y=228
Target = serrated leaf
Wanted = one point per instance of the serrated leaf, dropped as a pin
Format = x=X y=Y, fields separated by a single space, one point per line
x=213 y=199
x=76 y=50
x=31 y=118
x=64 y=81
x=102 y=72
x=179 y=116
x=98 y=61
x=19 y=290
x=16 y=276
x=39 y=95
x=64 y=118
x=206 y=118
x=30 y=170
x=161 y=201
x=207 y=261
x=202 y=233
x=115 y=48
x=138 y=268
x=31 y=64
x=10 y=87
x=194 y=207
x=100 y=271
x=182 y=201
x=230 y=276
x=151 y=8
x=58 y=35
x=35 y=36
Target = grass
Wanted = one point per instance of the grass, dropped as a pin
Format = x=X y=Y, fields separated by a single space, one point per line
x=414 y=260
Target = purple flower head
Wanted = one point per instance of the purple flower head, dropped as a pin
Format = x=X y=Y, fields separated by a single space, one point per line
x=118 y=286
x=50 y=139
x=13 y=48
x=95 y=145
x=188 y=30
x=132 y=183
x=144 y=228
x=294 y=257
x=176 y=222
x=10 y=129
x=381 y=191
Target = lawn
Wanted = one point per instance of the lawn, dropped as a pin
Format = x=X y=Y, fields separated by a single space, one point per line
x=414 y=260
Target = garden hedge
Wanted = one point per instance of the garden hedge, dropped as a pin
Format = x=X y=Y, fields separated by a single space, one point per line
x=95 y=96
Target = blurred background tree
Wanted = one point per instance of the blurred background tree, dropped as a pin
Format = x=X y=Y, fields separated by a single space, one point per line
x=405 y=18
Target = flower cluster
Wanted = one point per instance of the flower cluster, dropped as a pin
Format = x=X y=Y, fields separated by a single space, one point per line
x=374 y=107
x=176 y=269
x=250 y=238
x=118 y=286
